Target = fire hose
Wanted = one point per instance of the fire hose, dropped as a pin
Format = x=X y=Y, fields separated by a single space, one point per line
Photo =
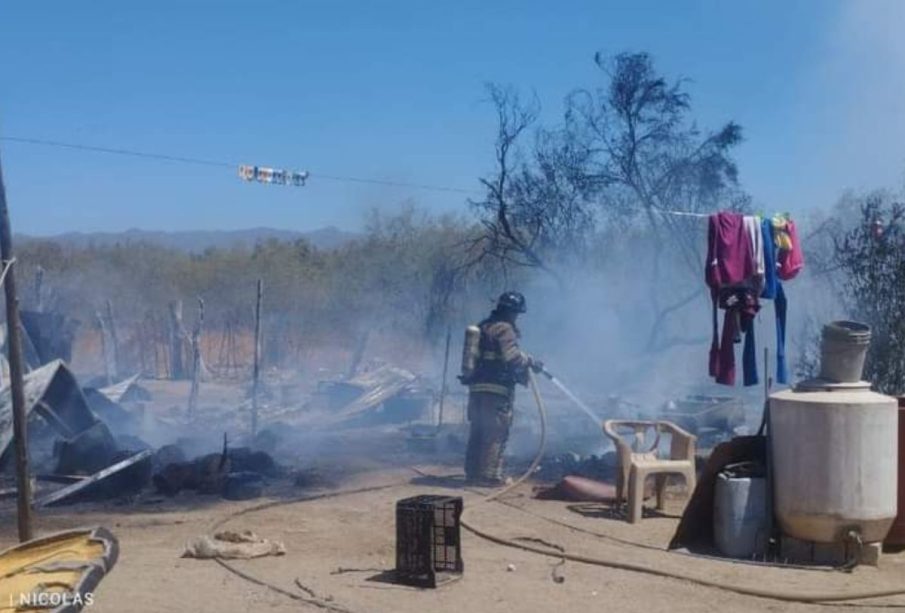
x=816 y=597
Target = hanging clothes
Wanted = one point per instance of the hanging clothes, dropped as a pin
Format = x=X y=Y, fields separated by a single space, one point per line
x=755 y=236
x=779 y=305
x=773 y=291
x=781 y=237
x=791 y=260
x=729 y=260
x=769 y=246
x=749 y=354
x=729 y=263
x=741 y=306
x=747 y=257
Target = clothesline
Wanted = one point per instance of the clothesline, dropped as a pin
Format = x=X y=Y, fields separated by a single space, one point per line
x=683 y=213
x=692 y=214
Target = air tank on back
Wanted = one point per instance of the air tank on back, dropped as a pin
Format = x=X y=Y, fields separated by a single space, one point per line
x=835 y=448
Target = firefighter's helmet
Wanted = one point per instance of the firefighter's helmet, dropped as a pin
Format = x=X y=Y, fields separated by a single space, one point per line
x=512 y=301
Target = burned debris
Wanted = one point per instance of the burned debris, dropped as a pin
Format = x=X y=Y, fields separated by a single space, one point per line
x=126 y=477
x=712 y=419
x=236 y=474
x=56 y=410
x=72 y=445
x=206 y=474
x=69 y=442
x=384 y=392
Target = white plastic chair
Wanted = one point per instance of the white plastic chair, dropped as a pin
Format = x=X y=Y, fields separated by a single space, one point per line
x=637 y=463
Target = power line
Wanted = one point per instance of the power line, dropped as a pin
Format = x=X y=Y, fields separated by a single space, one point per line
x=223 y=164
x=436 y=188
x=141 y=154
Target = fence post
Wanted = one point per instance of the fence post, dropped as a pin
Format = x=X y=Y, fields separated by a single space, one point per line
x=14 y=338
x=257 y=366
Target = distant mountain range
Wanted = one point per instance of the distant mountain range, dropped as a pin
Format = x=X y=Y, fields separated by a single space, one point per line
x=199 y=240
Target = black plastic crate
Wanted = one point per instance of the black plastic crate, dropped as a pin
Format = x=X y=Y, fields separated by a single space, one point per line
x=428 y=543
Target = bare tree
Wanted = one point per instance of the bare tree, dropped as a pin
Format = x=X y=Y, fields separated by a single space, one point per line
x=626 y=152
x=530 y=209
x=641 y=140
x=197 y=362
x=503 y=238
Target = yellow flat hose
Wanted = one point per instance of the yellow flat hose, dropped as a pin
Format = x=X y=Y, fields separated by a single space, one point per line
x=816 y=597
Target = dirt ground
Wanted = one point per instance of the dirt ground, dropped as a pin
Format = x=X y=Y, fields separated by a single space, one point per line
x=341 y=547
x=355 y=532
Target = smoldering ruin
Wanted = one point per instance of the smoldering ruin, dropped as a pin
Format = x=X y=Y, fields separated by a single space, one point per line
x=653 y=387
x=105 y=437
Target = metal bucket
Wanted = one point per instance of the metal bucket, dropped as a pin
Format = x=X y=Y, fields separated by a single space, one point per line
x=740 y=517
x=842 y=351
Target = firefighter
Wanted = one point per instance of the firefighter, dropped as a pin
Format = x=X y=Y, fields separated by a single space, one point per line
x=500 y=364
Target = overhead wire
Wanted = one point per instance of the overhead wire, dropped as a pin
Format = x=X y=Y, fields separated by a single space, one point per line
x=224 y=164
x=116 y=151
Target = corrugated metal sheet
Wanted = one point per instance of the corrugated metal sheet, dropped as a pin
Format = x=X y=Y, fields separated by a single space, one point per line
x=55 y=385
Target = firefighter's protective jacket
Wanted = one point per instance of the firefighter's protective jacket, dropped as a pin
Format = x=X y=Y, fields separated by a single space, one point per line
x=501 y=364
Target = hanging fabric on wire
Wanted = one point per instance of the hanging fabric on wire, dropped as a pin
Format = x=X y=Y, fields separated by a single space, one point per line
x=747 y=256
x=275 y=176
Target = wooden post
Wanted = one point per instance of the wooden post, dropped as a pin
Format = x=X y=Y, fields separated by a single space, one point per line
x=114 y=339
x=445 y=371
x=105 y=347
x=257 y=366
x=234 y=347
x=141 y=333
x=162 y=340
x=39 y=289
x=230 y=348
x=109 y=344
x=196 y=359
x=221 y=352
x=176 y=340
x=23 y=482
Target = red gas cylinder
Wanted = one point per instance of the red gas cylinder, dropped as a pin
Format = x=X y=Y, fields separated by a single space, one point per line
x=896 y=536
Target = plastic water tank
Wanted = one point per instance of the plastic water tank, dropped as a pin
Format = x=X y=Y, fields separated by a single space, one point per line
x=834 y=461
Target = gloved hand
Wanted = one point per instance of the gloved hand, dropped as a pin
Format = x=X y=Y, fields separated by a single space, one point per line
x=536 y=365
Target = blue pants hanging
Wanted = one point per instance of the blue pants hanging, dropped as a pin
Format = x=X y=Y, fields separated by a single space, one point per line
x=749 y=355
x=779 y=303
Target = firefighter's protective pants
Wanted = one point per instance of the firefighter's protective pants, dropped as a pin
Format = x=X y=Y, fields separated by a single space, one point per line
x=490 y=416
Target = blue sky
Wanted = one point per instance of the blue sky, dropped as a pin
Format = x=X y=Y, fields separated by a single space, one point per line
x=393 y=90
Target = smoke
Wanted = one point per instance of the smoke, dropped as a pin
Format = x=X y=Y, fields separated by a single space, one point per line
x=624 y=340
x=627 y=343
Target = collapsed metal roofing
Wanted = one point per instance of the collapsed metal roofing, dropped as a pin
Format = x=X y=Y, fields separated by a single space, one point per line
x=125 y=390
x=53 y=392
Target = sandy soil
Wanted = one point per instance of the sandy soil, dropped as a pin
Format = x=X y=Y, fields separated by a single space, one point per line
x=356 y=531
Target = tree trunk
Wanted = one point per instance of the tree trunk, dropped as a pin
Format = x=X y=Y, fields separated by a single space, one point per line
x=257 y=367
x=196 y=360
x=39 y=290
x=177 y=338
